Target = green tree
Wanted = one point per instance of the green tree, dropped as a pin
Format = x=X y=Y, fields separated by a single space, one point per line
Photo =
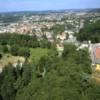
x=90 y=32
x=14 y=50
x=7 y=89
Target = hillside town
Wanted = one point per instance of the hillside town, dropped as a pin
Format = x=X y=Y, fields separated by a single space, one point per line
x=40 y=25
x=28 y=24
x=49 y=49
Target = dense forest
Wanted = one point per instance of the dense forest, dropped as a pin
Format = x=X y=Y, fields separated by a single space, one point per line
x=22 y=40
x=19 y=45
x=91 y=31
x=51 y=77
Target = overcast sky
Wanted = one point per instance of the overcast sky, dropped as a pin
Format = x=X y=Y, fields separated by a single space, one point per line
x=31 y=5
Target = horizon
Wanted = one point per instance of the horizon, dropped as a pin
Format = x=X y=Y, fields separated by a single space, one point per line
x=45 y=5
x=47 y=10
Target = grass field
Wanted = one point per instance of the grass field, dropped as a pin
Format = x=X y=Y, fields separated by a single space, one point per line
x=37 y=53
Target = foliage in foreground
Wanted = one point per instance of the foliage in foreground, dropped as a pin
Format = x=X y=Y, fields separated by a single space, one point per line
x=66 y=78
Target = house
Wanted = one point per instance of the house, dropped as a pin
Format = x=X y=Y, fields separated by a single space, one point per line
x=82 y=46
x=60 y=49
x=61 y=37
x=97 y=55
x=49 y=36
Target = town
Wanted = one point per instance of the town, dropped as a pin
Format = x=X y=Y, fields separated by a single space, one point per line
x=66 y=23
x=48 y=46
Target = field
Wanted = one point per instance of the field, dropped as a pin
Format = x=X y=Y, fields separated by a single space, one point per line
x=37 y=53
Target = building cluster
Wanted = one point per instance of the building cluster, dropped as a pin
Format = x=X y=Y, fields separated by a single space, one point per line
x=41 y=24
x=36 y=23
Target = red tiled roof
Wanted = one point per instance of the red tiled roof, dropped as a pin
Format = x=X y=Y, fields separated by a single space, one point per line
x=97 y=53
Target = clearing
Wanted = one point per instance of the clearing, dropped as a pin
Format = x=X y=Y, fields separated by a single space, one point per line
x=37 y=53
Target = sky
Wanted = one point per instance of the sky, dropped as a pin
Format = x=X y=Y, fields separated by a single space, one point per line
x=37 y=5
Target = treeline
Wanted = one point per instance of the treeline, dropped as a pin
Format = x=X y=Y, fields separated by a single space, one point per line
x=23 y=40
x=14 y=50
x=52 y=78
x=20 y=51
x=17 y=39
x=9 y=18
x=19 y=45
x=91 y=32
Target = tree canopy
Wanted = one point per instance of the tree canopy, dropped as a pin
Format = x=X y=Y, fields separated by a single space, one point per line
x=91 y=32
x=66 y=78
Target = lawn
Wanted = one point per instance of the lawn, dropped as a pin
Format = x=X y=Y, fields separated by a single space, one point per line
x=37 y=53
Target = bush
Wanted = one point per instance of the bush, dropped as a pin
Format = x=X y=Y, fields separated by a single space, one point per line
x=1 y=56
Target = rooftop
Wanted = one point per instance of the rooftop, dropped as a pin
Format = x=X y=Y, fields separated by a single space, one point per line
x=97 y=53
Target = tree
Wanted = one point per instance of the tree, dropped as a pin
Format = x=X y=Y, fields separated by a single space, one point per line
x=27 y=74
x=5 y=49
x=1 y=56
x=14 y=50
x=58 y=28
x=69 y=50
x=90 y=32
x=7 y=88
x=24 y=52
